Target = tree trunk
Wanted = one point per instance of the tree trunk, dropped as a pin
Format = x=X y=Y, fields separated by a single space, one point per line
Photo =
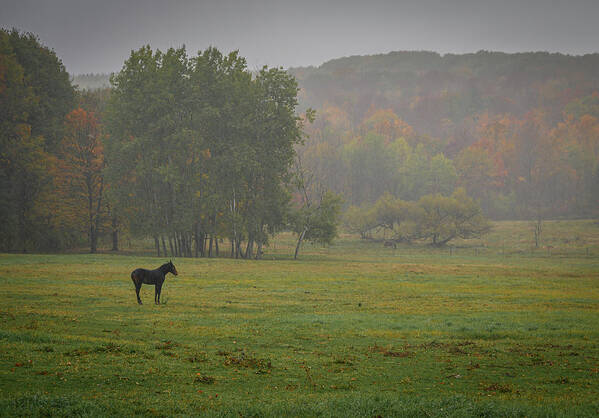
x=115 y=240
x=210 y=246
x=202 y=244
x=538 y=230
x=249 y=249
x=115 y=234
x=259 y=251
x=157 y=244
x=216 y=245
x=170 y=244
x=197 y=238
x=93 y=240
x=163 y=245
x=299 y=243
x=238 y=250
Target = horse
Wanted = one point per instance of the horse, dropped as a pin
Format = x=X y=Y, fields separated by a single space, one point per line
x=155 y=277
x=390 y=244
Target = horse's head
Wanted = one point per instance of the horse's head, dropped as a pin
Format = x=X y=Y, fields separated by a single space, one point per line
x=172 y=268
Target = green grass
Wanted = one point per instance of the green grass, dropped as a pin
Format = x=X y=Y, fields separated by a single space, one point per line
x=356 y=329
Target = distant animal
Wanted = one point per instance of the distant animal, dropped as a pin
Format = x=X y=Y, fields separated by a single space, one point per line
x=154 y=277
x=390 y=244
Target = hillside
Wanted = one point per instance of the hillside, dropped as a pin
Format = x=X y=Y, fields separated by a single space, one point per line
x=430 y=91
x=520 y=132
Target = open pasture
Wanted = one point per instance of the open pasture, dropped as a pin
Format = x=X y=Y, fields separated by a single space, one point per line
x=353 y=329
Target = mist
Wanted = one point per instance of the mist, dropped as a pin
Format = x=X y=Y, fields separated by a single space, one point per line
x=92 y=37
x=342 y=208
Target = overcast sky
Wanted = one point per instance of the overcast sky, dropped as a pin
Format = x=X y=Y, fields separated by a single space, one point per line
x=97 y=36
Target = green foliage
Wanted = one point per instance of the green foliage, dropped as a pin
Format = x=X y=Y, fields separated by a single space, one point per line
x=433 y=217
x=319 y=221
x=199 y=147
x=443 y=218
x=35 y=95
x=358 y=220
x=45 y=75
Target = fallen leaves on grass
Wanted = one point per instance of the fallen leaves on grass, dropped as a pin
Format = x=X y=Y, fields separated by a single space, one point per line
x=388 y=353
x=207 y=380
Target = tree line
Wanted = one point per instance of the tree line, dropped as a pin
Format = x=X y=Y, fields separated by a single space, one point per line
x=188 y=150
x=515 y=167
x=519 y=132
x=207 y=158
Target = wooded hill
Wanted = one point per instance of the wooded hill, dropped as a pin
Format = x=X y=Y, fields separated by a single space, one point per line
x=519 y=132
x=435 y=93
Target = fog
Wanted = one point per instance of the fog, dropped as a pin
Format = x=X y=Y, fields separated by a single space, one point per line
x=98 y=36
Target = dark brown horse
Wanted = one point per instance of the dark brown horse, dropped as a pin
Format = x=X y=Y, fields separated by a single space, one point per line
x=155 y=277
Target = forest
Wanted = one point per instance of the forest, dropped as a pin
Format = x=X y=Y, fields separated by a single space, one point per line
x=519 y=132
x=206 y=158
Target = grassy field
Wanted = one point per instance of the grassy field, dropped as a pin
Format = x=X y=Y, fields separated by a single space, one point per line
x=489 y=328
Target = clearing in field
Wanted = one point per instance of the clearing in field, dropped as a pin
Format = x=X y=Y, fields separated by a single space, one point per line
x=355 y=329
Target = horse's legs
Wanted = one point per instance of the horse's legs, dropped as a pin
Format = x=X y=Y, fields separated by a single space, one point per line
x=157 y=294
x=137 y=287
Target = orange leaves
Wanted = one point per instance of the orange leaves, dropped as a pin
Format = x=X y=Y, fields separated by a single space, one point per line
x=79 y=177
x=386 y=123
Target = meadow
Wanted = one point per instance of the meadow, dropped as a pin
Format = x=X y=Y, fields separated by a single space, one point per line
x=489 y=327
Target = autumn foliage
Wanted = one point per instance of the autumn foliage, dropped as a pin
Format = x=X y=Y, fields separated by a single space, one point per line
x=80 y=178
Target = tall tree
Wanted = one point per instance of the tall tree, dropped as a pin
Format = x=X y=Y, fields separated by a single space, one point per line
x=80 y=174
x=200 y=147
x=35 y=94
x=47 y=77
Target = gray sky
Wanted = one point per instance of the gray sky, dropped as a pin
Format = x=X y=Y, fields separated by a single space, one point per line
x=97 y=36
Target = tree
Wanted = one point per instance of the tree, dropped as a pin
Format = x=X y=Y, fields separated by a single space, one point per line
x=201 y=147
x=46 y=76
x=316 y=222
x=535 y=164
x=316 y=215
x=80 y=169
x=360 y=220
x=396 y=216
x=35 y=94
x=443 y=218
